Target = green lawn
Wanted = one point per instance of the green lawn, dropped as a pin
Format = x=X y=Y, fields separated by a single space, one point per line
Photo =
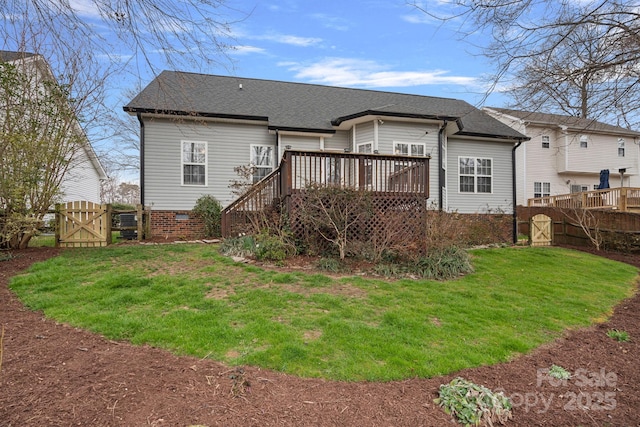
x=191 y=300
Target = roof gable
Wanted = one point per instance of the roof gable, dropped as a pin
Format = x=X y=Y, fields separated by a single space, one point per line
x=574 y=123
x=300 y=106
x=9 y=56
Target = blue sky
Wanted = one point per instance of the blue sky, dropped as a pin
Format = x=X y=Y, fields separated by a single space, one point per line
x=374 y=44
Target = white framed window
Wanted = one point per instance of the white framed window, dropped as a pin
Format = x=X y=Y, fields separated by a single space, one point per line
x=415 y=149
x=475 y=175
x=620 y=147
x=367 y=148
x=545 y=141
x=261 y=160
x=584 y=141
x=578 y=188
x=194 y=163
x=541 y=189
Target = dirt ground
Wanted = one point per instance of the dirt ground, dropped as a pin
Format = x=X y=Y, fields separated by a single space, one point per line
x=56 y=375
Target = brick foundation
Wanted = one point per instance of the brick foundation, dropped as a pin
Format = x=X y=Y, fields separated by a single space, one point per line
x=176 y=225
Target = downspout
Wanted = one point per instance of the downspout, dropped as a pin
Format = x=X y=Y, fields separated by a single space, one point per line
x=514 y=193
x=139 y=116
x=441 y=171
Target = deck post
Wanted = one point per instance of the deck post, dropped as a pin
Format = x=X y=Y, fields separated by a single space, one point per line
x=622 y=200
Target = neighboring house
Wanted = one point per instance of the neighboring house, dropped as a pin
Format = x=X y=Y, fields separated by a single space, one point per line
x=82 y=180
x=196 y=128
x=566 y=154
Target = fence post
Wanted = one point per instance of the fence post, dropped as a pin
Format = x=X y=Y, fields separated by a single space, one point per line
x=622 y=201
x=140 y=222
x=58 y=223
x=108 y=231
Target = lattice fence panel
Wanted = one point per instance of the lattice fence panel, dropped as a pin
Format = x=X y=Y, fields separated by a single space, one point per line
x=392 y=221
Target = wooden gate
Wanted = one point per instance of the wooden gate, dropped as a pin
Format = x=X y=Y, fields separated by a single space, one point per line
x=540 y=230
x=82 y=224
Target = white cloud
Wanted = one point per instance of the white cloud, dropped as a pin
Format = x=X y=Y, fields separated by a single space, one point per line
x=419 y=18
x=85 y=8
x=246 y=49
x=366 y=73
x=333 y=22
x=290 y=40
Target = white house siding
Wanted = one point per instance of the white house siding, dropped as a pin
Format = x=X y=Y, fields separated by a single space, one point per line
x=565 y=163
x=82 y=181
x=601 y=153
x=501 y=197
x=228 y=146
x=545 y=160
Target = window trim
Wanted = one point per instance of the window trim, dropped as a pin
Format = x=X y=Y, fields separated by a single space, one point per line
x=271 y=159
x=621 y=146
x=584 y=141
x=543 y=186
x=205 y=163
x=368 y=164
x=410 y=144
x=476 y=175
x=546 y=141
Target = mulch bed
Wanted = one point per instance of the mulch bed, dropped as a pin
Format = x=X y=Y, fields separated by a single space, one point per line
x=56 y=375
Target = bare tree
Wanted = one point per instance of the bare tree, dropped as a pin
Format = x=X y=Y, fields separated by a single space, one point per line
x=41 y=140
x=561 y=56
x=124 y=41
x=190 y=30
x=588 y=222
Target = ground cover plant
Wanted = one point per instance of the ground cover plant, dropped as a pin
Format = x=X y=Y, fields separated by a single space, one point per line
x=620 y=336
x=473 y=404
x=192 y=300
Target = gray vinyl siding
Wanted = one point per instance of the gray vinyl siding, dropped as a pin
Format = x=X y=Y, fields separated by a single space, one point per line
x=228 y=146
x=298 y=142
x=501 y=197
x=364 y=133
x=413 y=133
x=338 y=142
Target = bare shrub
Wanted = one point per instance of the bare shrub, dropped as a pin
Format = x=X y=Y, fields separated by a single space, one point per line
x=588 y=222
x=335 y=214
x=399 y=231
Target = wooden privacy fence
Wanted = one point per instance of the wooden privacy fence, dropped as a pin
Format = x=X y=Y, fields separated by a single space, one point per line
x=616 y=230
x=87 y=224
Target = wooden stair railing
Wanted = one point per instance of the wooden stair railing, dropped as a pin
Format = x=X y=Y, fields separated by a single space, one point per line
x=261 y=195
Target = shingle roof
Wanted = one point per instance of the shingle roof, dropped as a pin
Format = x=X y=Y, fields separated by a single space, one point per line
x=300 y=106
x=8 y=56
x=577 y=123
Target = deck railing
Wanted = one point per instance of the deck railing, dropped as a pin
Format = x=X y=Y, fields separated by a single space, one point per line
x=622 y=199
x=261 y=195
x=374 y=172
x=385 y=175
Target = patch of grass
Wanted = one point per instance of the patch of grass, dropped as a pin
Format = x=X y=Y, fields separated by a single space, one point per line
x=192 y=300
x=48 y=240
x=620 y=336
x=331 y=265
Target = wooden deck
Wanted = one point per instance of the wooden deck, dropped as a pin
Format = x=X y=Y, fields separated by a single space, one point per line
x=623 y=199
x=389 y=178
